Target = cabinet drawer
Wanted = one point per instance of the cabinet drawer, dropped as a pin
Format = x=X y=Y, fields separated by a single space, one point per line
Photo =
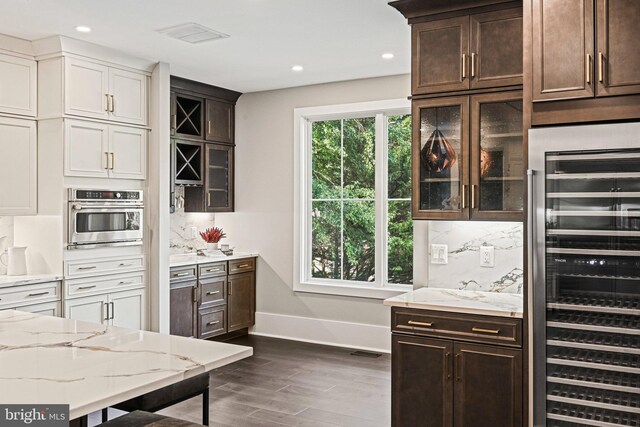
x=82 y=268
x=46 y=309
x=81 y=287
x=25 y=295
x=183 y=273
x=213 y=291
x=463 y=327
x=242 y=265
x=215 y=269
x=212 y=322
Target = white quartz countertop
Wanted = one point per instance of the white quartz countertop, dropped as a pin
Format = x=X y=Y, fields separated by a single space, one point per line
x=459 y=301
x=28 y=279
x=180 y=260
x=50 y=360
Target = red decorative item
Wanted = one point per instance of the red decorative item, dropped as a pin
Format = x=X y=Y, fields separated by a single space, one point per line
x=212 y=235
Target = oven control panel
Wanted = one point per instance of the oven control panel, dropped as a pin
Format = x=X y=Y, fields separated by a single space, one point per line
x=105 y=195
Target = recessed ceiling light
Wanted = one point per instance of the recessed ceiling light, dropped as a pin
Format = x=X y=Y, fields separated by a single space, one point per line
x=83 y=29
x=387 y=55
x=297 y=68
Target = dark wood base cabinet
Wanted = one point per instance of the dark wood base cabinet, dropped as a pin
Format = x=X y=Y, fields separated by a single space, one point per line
x=212 y=300
x=442 y=382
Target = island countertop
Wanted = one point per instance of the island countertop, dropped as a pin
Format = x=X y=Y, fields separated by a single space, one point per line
x=461 y=301
x=49 y=360
x=180 y=260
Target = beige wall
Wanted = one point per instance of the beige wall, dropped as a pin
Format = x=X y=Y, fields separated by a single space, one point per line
x=263 y=220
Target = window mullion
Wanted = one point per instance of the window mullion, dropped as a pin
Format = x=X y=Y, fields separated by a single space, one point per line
x=380 y=203
x=341 y=199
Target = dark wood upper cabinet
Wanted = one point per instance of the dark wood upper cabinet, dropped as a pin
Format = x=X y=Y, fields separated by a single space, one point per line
x=241 y=301
x=440 y=52
x=618 y=55
x=219 y=178
x=219 y=122
x=563 y=54
x=488 y=386
x=573 y=58
x=467 y=52
x=421 y=375
x=496 y=49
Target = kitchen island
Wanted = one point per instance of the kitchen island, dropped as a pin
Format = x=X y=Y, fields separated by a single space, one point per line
x=49 y=360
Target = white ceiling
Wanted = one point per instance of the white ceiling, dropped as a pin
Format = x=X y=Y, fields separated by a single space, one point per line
x=332 y=39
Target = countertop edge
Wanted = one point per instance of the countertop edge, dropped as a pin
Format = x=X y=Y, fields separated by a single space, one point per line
x=10 y=281
x=455 y=309
x=197 y=260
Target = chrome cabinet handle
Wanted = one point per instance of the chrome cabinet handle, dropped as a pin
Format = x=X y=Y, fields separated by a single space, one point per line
x=211 y=270
x=81 y=288
x=213 y=292
x=447 y=363
x=124 y=283
x=195 y=294
x=113 y=311
x=124 y=265
x=113 y=104
x=106 y=317
x=244 y=266
x=209 y=127
x=208 y=199
x=113 y=160
x=416 y=323
x=230 y=286
x=174 y=121
x=106 y=154
x=108 y=102
x=186 y=273
x=91 y=267
x=37 y=294
x=213 y=323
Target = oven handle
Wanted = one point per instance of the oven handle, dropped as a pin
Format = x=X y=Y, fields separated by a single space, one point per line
x=99 y=209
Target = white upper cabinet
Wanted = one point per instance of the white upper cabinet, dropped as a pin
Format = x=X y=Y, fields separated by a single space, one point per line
x=18 y=81
x=18 y=167
x=92 y=89
x=128 y=96
x=86 y=89
x=100 y=150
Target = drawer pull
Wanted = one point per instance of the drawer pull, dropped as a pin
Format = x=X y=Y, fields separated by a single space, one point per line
x=186 y=273
x=124 y=265
x=37 y=294
x=81 y=288
x=486 y=331
x=211 y=270
x=427 y=324
x=91 y=267
x=244 y=265
x=213 y=292
x=213 y=323
x=124 y=283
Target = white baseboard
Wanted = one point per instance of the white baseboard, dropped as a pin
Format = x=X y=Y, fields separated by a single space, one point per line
x=321 y=331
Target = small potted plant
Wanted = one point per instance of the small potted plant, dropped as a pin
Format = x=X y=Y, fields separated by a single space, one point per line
x=212 y=236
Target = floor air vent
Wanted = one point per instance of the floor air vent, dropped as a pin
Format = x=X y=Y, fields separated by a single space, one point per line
x=369 y=354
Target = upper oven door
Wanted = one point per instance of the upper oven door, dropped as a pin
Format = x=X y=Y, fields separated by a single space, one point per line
x=92 y=224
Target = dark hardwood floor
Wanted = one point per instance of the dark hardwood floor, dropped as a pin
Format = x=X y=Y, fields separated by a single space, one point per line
x=296 y=384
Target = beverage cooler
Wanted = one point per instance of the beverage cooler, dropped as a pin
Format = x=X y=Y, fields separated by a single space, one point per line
x=584 y=275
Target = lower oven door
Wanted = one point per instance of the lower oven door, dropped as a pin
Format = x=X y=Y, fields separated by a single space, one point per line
x=90 y=225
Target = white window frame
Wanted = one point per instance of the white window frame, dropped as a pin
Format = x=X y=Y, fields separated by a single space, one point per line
x=303 y=119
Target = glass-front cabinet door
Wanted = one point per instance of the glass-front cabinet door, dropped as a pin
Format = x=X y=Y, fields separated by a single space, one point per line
x=497 y=166
x=219 y=178
x=440 y=153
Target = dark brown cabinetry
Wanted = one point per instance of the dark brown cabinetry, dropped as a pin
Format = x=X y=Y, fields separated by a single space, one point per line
x=468 y=157
x=183 y=301
x=452 y=369
x=202 y=127
x=585 y=48
x=217 y=303
x=467 y=52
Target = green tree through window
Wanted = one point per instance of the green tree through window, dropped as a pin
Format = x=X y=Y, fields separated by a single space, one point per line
x=343 y=199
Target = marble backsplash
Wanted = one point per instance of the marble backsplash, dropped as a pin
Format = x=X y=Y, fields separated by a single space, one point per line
x=6 y=230
x=463 y=270
x=181 y=240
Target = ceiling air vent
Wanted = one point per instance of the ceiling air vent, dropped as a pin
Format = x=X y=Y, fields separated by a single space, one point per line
x=192 y=33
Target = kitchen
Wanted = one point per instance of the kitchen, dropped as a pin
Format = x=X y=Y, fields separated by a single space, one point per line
x=400 y=166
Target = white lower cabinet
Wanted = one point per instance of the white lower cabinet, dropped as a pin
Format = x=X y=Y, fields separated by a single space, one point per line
x=126 y=309
x=18 y=167
x=99 y=150
x=46 y=309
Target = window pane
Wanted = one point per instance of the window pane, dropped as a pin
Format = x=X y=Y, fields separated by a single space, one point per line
x=399 y=150
x=359 y=241
x=326 y=240
x=400 y=256
x=326 y=159
x=359 y=157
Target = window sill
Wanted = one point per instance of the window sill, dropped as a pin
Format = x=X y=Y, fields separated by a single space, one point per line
x=349 y=290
